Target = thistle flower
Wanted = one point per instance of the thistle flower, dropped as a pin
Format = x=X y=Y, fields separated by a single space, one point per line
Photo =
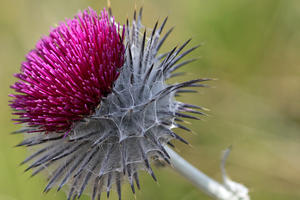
x=96 y=103
x=68 y=73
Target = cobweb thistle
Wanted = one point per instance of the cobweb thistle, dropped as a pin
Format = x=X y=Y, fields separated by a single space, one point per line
x=95 y=103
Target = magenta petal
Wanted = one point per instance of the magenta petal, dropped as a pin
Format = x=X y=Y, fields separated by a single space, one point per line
x=64 y=78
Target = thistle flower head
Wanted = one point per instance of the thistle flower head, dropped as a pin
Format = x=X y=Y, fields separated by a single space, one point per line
x=115 y=102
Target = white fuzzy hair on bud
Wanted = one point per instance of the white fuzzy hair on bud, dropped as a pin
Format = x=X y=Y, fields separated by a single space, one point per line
x=130 y=127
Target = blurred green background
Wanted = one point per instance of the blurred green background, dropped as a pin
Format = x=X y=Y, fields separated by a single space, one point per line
x=251 y=46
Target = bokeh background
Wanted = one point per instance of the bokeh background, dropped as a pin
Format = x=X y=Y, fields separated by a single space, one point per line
x=251 y=46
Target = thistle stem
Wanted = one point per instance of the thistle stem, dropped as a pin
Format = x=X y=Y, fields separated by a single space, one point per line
x=231 y=191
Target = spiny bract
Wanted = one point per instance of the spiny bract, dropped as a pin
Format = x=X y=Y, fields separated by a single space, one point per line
x=129 y=127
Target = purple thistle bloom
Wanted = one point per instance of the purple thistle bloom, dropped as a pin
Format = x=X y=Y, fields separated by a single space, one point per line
x=113 y=102
x=64 y=78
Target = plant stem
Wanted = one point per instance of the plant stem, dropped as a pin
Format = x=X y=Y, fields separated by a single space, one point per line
x=203 y=182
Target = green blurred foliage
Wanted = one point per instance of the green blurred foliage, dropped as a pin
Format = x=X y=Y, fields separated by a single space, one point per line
x=251 y=47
